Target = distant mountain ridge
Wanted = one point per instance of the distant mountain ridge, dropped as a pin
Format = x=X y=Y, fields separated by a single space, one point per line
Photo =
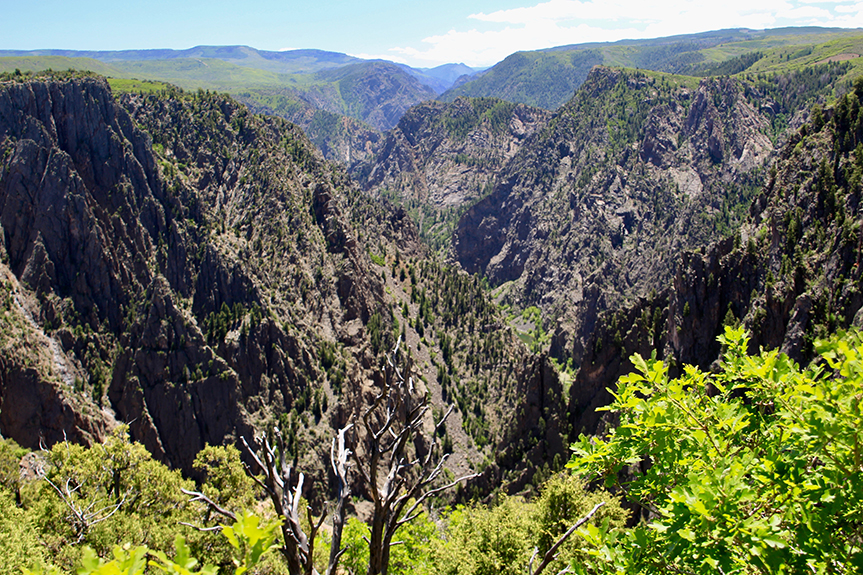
x=283 y=62
x=345 y=102
x=548 y=78
x=375 y=92
x=301 y=61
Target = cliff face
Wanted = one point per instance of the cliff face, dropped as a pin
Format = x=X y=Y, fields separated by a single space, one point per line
x=340 y=138
x=161 y=275
x=443 y=157
x=177 y=263
x=592 y=210
x=790 y=275
x=40 y=399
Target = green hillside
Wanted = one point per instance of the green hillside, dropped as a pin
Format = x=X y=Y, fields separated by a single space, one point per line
x=38 y=63
x=377 y=93
x=548 y=78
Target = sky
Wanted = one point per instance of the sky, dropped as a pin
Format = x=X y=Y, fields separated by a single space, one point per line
x=419 y=33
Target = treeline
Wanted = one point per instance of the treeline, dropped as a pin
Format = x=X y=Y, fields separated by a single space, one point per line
x=722 y=447
x=74 y=507
x=725 y=68
x=454 y=315
x=796 y=90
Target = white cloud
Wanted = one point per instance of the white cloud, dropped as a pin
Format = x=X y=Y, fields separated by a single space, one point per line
x=845 y=8
x=476 y=48
x=807 y=12
x=560 y=22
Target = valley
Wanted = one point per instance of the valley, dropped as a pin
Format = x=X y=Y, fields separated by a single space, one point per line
x=201 y=268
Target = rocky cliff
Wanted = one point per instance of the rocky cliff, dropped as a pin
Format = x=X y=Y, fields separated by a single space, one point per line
x=150 y=269
x=340 y=139
x=790 y=275
x=174 y=262
x=441 y=158
x=593 y=209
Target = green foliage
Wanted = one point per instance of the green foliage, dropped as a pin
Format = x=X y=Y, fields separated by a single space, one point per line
x=247 y=536
x=225 y=479
x=10 y=456
x=219 y=323
x=250 y=539
x=126 y=561
x=725 y=68
x=182 y=564
x=483 y=541
x=461 y=120
x=795 y=89
x=479 y=540
x=542 y=79
x=133 y=85
x=20 y=547
x=755 y=469
x=413 y=555
x=563 y=501
x=105 y=495
x=377 y=333
x=536 y=338
x=356 y=556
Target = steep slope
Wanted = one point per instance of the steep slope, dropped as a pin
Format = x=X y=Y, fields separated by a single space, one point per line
x=343 y=110
x=340 y=139
x=548 y=78
x=291 y=84
x=441 y=78
x=542 y=79
x=175 y=262
x=592 y=209
x=442 y=157
x=135 y=260
x=792 y=274
x=378 y=93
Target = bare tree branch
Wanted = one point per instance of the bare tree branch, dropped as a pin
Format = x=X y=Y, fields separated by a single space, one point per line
x=198 y=496
x=551 y=554
x=204 y=529
x=339 y=459
x=83 y=517
x=286 y=493
x=399 y=481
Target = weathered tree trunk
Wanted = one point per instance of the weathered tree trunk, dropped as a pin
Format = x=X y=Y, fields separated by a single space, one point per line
x=393 y=424
x=339 y=455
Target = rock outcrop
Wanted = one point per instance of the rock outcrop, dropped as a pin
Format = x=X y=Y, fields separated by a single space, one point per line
x=160 y=273
x=441 y=158
x=592 y=210
x=790 y=275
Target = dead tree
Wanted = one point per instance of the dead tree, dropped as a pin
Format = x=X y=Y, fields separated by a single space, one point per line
x=339 y=455
x=399 y=479
x=84 y=515
x=85 y=511
x=278 y=483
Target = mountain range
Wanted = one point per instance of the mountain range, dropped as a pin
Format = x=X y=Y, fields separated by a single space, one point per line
x=344 y=102
x=173 y=260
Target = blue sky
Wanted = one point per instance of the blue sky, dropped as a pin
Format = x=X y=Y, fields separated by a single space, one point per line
x=419 y=33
